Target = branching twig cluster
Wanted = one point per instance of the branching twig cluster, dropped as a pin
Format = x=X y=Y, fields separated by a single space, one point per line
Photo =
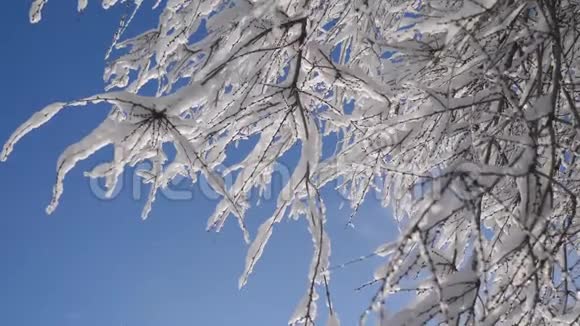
x=463 y=118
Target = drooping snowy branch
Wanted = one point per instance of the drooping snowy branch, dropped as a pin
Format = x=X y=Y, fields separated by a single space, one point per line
x=463 y=117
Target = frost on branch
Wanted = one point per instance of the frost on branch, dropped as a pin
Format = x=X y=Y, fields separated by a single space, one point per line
x=35 y=13
x=462 y=115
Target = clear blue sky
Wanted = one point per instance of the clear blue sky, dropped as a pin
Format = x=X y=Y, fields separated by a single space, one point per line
x=95 y=262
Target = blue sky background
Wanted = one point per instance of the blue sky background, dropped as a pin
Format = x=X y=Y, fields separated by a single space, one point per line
x=95 y=262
